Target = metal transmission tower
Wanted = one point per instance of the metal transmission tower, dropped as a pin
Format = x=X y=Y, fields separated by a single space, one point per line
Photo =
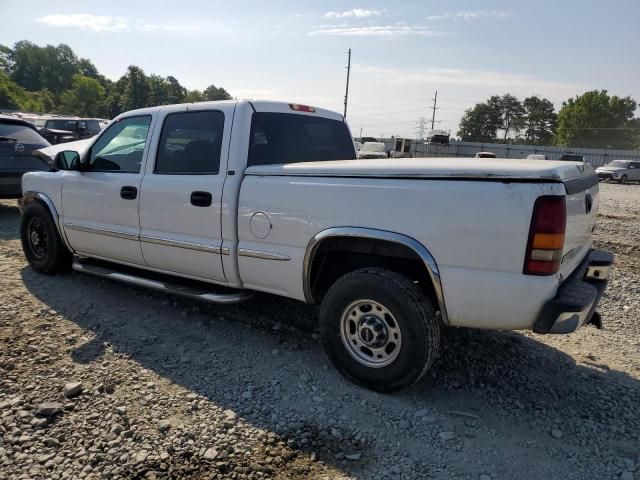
x=422 y=123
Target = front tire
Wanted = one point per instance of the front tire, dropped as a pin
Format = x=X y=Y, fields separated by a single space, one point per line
x=623 y=179
x=41 y=242
x=379 y=329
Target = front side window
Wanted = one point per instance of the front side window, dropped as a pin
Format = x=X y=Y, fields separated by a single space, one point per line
x=121 y=146
x=190 y=143
x=290 y=138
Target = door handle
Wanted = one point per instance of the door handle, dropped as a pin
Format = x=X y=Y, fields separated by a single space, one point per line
x=128 y=193
x=201 y=199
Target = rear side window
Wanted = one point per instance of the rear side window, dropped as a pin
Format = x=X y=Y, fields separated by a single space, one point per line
x=190 y=143
x=94 y=126
x=14 y=132
x=290 y=138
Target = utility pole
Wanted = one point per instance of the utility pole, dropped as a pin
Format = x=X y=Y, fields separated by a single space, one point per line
x=346 y=93
x=421 y=127
x=360 y=134
x=434 y=108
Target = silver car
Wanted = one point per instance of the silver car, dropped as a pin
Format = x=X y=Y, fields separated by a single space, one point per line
x=622 y=171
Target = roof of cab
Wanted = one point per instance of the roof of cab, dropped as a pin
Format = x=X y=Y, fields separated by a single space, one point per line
x=257 y=105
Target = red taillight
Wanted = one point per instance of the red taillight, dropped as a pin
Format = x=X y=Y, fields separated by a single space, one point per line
x=546 y=236
x=301 y=108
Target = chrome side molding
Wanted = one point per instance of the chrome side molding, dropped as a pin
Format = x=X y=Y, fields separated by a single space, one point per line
x=102 y=231
x=374 y=234
x=181 y=244
x=245 y=252
x=176 y=289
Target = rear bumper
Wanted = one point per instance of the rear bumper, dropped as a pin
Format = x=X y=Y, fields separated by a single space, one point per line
x=10 y=184
x=577 y=298
x=605 y=176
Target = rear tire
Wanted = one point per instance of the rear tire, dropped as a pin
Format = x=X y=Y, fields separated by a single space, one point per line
x=379 y=329
x=41 y=242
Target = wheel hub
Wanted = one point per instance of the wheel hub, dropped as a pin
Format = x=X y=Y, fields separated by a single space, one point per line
x=370 y=333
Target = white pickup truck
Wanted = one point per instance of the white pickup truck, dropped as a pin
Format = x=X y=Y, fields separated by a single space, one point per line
x=217 y=200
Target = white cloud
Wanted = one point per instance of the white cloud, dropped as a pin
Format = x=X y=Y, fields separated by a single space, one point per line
x=353 y=13
x=108 y=23
x=469 y=15
x=388 y=31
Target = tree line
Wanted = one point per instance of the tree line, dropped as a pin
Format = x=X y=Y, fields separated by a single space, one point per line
x=594 y=119
x=53 y=79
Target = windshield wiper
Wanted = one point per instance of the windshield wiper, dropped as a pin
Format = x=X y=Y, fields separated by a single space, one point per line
x=7 y=139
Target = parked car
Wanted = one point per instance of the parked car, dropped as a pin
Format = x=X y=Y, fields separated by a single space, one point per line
x=621 y=171
x=536 y=156
x=62 y=129
x=372 y=150
x=216 y=200
x=18 y=139
x=440 y=137
x=485 y=155
x=572 y=157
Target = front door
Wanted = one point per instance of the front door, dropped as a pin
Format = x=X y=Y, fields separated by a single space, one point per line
x=100 y=205
x=181 y=198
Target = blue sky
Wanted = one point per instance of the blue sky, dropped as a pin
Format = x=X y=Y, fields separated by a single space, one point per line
x=402 y=51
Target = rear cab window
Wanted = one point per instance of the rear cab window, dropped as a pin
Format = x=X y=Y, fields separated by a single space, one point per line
x=190 y=143
x=281 y=138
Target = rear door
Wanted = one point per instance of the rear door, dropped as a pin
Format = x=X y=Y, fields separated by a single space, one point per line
x=100 y=206
x=181 y=202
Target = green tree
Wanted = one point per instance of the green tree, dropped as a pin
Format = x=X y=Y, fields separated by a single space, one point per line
x=478 y=124
x=512 y=115
x=43 y=68
x=540 y=120
x=597 y=120
x=6 y=60
x=158 y=90
x=135 y=89
x=175 y=91
x=84 y=98
x=194 y=96
x=214 y=93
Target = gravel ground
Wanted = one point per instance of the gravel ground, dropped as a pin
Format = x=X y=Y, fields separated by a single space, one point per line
x=101 y=380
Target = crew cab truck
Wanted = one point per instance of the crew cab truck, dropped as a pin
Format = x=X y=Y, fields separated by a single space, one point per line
x=216 y=200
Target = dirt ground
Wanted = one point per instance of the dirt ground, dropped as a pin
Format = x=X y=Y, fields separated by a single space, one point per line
x=171 y=388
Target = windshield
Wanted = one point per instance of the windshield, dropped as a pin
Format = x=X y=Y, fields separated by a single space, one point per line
x=619 y=164
x=373 y=147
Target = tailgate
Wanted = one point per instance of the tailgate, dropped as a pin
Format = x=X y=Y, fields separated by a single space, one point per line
x=582 y=211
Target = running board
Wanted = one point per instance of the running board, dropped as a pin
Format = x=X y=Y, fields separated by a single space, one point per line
x=162 y=285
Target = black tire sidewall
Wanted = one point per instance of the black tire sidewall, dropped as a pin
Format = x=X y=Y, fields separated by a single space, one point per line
x=412 y=314
x=57 y=254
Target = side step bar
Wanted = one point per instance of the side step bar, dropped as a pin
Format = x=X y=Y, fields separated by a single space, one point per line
x=161 y=285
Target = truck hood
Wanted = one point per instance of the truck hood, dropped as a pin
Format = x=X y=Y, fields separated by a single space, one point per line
x=50 y=153
x=469 y=168
x=610 y=169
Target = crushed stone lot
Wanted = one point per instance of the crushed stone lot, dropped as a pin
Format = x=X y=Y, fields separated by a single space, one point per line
x=99 y=380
